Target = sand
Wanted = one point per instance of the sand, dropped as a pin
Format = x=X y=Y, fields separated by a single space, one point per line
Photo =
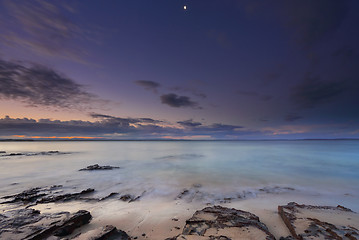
x=158 y=218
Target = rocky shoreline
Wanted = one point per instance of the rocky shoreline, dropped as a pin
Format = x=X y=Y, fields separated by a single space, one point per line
x=19 y=218
x=21 y=221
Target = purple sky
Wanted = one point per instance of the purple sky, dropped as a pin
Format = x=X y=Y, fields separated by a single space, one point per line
x=152 y=70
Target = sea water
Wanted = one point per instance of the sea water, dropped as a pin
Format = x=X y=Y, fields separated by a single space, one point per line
x=211 y=171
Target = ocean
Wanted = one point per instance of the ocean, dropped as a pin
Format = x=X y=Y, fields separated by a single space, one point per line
x=211 y=171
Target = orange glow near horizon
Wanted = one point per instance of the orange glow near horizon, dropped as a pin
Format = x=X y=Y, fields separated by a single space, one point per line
x=55 y=137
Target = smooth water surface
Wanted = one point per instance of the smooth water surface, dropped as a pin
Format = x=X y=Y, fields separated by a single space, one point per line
x=165 y=168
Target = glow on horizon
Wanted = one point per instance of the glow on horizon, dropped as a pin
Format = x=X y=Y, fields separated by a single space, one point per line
x=55 y=137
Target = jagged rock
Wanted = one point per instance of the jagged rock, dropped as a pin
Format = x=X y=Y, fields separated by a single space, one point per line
x=30 y=153
x=108 y=196
x=78 y=219
x=44 y=195
x=65 y=197
x=107 y=232
x=31 y=225
x=307 y=221
x=26 y=196
x=15 y=154
x=220 y=223
x=97 y=167
x=130 y=198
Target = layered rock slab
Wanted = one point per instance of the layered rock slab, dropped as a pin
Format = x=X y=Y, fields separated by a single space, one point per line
x=220 y=223
x=30 y=224
x=107 y=232
x=320 y=222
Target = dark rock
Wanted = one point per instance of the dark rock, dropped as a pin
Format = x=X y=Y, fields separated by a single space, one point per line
x=109 y=196
x=126 y=197
x=44 y=195
x=31 y=225
x=53 y=152
x=287 y=238
x=78 y=219
x=15 y=154
x=307 y=221
x=97 y=167
x=26 y=196
x=130 y=198
x=65 y=197
x=31 y=153
x=104 y=233
x=224 y=223
x=182 y=194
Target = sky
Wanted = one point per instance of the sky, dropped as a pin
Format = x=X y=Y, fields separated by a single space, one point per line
x=142 y=69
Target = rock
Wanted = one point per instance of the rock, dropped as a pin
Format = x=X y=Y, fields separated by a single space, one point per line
x=26 y=196
x=31 y=225
x=127 y=197
x=97 y=167
x=31 y=153
x=78 y=219
x=307 y=221
x=15 y=154
x=108 y=196
x=223 y=224
x=107 y=232
x=65 y=197
x=44 y=195
x=130 y=198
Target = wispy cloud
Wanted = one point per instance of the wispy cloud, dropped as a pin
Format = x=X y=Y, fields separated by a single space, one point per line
x=291 y=117
x=313 y=91
x=45 y=28
x=148 y=85
x=192 y=90
x=189 y=123
x=37 y=85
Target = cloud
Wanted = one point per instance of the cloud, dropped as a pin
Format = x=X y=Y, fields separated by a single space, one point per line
x=148 y=85
x=219 y=127
x=291 y=117
x=114 y=127
x=109 y=118
x=190 y=90
x=189 y=123
x=313 y=91
x=43 y=27
x=174 y=100
x=37 y=85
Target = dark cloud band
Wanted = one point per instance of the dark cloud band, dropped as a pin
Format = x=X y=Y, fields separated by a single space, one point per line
x=173 y=100
x=38 y=85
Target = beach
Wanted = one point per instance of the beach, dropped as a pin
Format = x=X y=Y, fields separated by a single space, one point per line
x=156 y=186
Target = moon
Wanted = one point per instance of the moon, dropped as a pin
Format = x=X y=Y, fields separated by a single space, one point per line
x=184 y=7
